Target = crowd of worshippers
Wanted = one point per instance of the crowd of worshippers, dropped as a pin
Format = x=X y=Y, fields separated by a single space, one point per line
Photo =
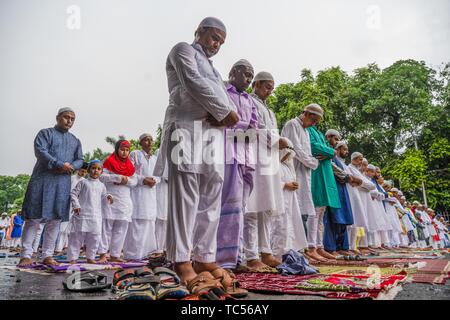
x=211 y=218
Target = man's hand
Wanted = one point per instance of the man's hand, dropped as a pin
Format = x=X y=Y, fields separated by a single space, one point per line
x=123 y=181
x=320 y=157
x=282 y=143
x=67 y=168
x=292 y=186
x=356 y=181
x=149 y=181
x=76 y=211
x=110 y=199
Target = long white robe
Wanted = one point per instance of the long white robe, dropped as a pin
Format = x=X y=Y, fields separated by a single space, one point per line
x=392 y=214
x=295 y=232
x=378 y=209
x=266 y=195
x=358 y=199
x=304 y=162
x=122 y=208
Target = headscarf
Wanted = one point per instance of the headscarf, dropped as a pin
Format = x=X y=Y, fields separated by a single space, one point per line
x=118 y=166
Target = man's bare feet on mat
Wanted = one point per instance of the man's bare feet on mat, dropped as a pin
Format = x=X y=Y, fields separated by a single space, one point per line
x=24 y=262
x=185 y=271
x=256 y=264
x=325 y=254
x=91 y=261
x=335 y=253
x=311 y=253
x=270 y=260
x=73 y=262
x=346 y=252
x=116 y=259
x=103 y=259
x=49 y=261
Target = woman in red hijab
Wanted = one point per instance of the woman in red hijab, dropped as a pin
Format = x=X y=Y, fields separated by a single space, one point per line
x=118 y=177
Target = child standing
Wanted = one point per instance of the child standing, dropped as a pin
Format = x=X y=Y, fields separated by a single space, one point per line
x=141 y=236
x=86 y=223
x=288 y=231
x=118 y=177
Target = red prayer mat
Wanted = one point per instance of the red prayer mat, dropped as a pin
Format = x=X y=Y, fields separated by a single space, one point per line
x=336 y=286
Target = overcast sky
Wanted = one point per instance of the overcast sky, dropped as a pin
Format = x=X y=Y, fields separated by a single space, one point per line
x=109 y=65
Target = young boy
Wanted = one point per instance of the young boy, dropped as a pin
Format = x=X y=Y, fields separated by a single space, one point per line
x=141 y=236
x=290 y=234
x=118 y=177
x=86 y=224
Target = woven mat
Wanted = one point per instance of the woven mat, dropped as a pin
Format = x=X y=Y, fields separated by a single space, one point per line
x=81 y=266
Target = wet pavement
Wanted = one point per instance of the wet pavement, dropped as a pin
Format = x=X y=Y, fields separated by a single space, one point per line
x=18 y=285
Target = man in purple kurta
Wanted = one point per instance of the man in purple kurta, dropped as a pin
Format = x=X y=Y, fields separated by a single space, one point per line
x=239 y=166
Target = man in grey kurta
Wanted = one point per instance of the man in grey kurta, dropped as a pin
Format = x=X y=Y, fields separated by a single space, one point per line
x=58 y=154
x=198 y=97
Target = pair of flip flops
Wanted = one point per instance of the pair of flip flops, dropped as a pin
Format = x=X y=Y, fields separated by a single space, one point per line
x=148 y=284
x=87 y=281
x=351 y=258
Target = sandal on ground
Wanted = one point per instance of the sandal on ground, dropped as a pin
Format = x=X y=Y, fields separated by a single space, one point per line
x=170 y=285
x=87 y=281
x=203 y=283
x=230 y=284
x=143 y=288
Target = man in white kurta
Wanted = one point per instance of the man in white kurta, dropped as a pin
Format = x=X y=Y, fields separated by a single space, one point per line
x=196 y=92
x=141 y=235
x=304 y=162
x=359 y=197
x=266 y=199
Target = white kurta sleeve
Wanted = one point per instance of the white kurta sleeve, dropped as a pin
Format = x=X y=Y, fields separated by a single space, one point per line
x=301 y=155
x=132 y=181
x=108 y=177
x=75 y=194
x=182 y=58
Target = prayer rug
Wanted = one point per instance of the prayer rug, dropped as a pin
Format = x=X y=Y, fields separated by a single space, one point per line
x=436 y=271
x=335 y=286
x=81 y=266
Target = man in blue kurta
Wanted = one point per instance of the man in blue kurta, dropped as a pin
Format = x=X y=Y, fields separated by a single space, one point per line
x=47 y=199
x=323 y=188
x=337 y=219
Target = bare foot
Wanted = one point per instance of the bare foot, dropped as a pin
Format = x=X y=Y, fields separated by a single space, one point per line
x=335 y=253
x=185 y=271
x=49 y=261
x=116 y=259
x=256 y=264
x=103 y=259
x=24 y=262
x=72 y=261
x=346 y=253
x=91 y=261
x=270 y=260
x=355 y=252
x=311 y=253
x=325 y=254
x=365 y=251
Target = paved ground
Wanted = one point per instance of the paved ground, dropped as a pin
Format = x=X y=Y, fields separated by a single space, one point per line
x=18 y=285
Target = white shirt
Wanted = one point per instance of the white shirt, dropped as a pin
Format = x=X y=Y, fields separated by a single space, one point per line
x=266 y=194
x=89 y=195
x=144 y=197
x=196 y=89
x=122 y=208
x=304 y=162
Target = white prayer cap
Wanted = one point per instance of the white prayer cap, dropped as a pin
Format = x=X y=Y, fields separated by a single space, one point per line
x=356 y=155
x=263 y=76
x=389 y=183
x=340 y=144
x=400 y=193
x=145 y=135
x=314 y=108
x=242 y=62
x=333 y=133
x=416 y=203
x=403 y=198
x=371 y=167
x=394 y=190
x=4 y=214
x=212 y=22
x=65 y=109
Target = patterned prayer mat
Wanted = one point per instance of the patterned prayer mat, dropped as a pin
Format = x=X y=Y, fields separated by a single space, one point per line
x=335 y=286
x=436 y=271
x=81 y=266
x=356 y=270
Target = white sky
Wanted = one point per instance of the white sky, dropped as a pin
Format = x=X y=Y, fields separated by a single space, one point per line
x=112 y=69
